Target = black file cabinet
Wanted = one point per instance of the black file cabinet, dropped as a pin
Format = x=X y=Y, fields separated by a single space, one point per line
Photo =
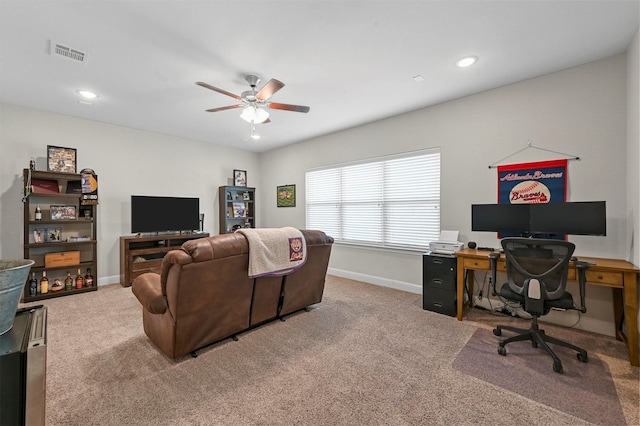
x=439 y=283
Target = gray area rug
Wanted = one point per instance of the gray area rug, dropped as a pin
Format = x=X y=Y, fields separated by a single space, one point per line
x=585 y=390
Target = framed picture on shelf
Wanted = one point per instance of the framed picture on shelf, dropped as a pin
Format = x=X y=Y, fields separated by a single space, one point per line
x=60 y=159
x=53 y=234
x=240 y=178
x=286 y=196
x=63 y=213
x=39 y=235
x=239 y=210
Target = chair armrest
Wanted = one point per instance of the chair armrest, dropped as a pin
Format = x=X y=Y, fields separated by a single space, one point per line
x=582 y=281
x=148 y=291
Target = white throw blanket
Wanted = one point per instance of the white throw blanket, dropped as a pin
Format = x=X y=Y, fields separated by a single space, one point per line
x=274 y=251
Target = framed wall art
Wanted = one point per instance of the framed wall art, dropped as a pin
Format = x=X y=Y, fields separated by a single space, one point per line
x=60 y=159
x=240 y=178
x=286 y=196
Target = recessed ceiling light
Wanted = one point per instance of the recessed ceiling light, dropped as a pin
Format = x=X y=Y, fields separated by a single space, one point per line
x=466 y=62
x=87 y=94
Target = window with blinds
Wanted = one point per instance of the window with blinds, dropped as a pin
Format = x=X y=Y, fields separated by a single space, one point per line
x=392 y=202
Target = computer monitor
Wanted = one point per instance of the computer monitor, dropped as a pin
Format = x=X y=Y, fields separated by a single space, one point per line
x=574 y=218
x=500 y=218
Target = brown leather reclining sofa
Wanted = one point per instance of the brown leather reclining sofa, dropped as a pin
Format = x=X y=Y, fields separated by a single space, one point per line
x=204 y=293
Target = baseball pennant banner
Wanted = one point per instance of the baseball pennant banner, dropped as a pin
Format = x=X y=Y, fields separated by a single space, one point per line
x=538 y=182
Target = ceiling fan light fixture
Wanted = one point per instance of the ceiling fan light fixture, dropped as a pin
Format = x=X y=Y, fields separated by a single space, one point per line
x=252 y=114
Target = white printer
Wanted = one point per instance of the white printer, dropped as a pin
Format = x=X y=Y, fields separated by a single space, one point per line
x=447 y=244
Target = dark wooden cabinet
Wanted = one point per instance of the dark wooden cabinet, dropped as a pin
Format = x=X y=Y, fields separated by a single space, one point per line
x=66 y=228
x=439 y=283
x=140 y=254
x=237 y=208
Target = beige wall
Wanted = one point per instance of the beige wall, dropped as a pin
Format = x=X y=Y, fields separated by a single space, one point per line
x=128 y=162
x=633 y=152
x=580 y=111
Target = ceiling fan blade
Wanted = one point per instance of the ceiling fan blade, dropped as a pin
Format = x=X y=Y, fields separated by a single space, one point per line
x=269 y=89
x=216 y=89
x=224 y=108
x=288 y=107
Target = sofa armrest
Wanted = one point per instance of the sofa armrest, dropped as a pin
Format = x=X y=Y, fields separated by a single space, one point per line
x=147 y=289
x=174 y=257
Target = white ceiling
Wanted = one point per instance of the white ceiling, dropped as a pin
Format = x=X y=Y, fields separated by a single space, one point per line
x=352 y=62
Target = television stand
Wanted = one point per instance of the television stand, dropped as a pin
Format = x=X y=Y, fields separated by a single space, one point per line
x=144 y=253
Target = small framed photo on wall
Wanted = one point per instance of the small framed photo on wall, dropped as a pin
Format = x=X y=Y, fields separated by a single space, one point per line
x=60 y=159
x=286 y=196
x=240 y=178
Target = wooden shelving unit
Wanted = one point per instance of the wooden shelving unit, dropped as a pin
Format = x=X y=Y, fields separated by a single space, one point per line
x=140 y=254
x=237 y=208
x=85 y=227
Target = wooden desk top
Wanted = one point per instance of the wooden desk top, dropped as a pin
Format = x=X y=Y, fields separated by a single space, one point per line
x=618 y=265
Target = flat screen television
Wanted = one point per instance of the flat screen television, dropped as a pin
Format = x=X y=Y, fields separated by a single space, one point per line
x=500 y=217
x=164 y=214
x=574 y=218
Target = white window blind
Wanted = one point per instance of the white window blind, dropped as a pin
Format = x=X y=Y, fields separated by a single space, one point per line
x=390 y=202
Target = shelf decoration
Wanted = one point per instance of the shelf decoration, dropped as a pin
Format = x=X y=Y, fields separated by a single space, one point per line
x=63 y=212
x=60 y=159
x=39 y=235
x=240 y=177
x=286 y=196
x=53 y=234
x=239 y=210
x=89 y=187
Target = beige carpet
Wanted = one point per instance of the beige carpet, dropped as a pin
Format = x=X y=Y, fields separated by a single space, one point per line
x=365 y=355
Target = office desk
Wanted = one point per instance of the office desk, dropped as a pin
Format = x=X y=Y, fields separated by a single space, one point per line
x=620 y=275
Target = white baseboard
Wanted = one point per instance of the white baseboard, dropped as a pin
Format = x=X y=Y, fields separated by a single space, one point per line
x=113 y=279
x=383 y=282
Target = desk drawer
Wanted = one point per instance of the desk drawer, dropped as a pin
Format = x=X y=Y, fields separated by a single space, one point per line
x=476 y=263
x=613 y=279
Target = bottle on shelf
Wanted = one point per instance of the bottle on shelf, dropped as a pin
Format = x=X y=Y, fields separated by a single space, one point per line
x=38 y=212
x=33 y=285
x=44 y=283
x=79 y=279
x=88 y=278
x=68 y=282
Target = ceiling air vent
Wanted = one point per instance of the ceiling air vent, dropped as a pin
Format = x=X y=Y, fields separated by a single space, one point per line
x=61 y=50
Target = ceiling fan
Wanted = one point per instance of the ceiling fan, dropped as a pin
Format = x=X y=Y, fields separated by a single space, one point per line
x=253 y=102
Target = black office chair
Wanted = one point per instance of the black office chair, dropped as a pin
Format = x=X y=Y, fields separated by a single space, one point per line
x=537 y=276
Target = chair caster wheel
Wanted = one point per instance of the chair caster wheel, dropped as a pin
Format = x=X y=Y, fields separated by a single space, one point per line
x=502 y=350
x=497 y=332
x=582 y=358
x=534 y=344
x=557 y=367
